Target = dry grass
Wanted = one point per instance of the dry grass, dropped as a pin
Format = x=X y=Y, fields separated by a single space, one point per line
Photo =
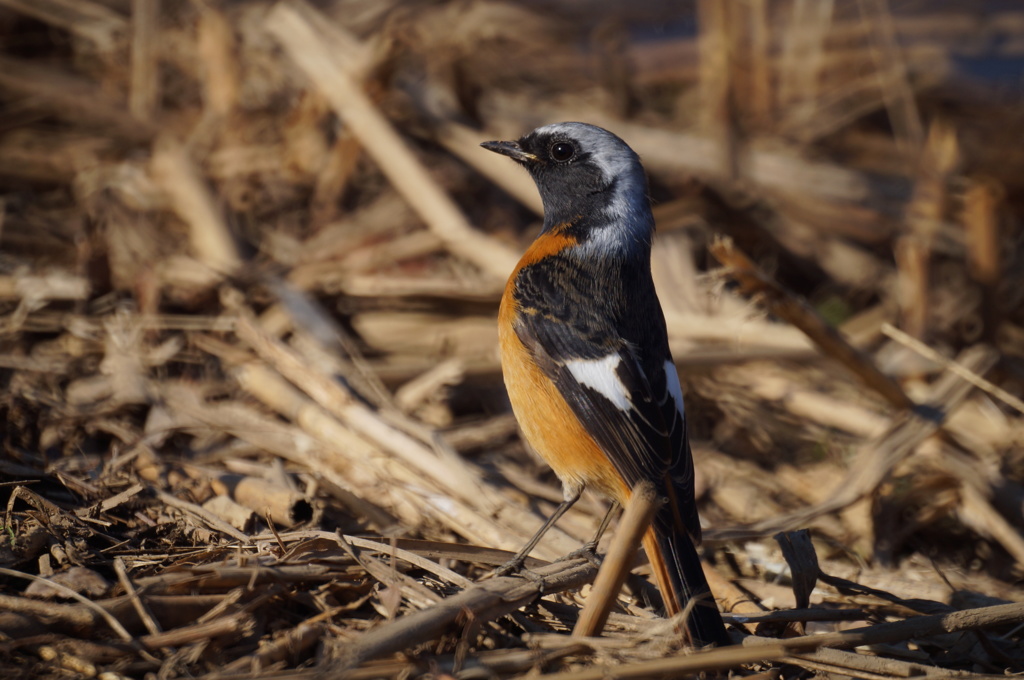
x=253 y=417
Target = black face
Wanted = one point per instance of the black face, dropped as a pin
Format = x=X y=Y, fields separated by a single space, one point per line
x=571 y=184
x=582 y=171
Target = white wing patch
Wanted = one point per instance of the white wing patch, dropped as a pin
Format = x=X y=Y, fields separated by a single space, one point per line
x=600 y=376
x=674 y=388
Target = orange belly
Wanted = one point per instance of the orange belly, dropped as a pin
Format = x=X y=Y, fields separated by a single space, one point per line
x=548 y=422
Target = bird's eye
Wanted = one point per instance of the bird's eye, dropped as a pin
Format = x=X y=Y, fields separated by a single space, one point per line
x=562 y=151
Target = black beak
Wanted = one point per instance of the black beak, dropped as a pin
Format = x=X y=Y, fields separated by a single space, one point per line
x=510 y=149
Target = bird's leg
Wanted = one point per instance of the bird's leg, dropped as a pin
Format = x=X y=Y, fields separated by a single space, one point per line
x=613 y=509
x=516 y=563
x=589 y=549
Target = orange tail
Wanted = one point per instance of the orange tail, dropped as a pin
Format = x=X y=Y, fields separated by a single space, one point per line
x=681 y=579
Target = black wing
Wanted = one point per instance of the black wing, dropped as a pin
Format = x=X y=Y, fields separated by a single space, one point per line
x=621 y=390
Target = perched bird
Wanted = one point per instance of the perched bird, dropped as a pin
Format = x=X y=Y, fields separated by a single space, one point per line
x=585 y=353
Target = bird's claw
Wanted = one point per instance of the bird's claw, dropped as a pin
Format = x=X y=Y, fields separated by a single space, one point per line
x=516 y=566
x=588 y=552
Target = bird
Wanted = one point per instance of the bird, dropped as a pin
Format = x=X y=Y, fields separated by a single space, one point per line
x=585 y=354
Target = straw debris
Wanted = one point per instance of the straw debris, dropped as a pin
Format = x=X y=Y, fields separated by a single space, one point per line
x=250 y=262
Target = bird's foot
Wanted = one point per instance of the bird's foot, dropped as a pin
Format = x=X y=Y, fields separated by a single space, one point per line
x=588 y=551
x=516 y=566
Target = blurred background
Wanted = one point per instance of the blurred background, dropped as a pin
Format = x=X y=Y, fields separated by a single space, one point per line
x=243 y=240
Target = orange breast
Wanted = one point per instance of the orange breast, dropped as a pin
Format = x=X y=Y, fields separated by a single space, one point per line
x=545 y=418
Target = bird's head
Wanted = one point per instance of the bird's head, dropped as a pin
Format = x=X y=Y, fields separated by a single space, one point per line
x=585 y=174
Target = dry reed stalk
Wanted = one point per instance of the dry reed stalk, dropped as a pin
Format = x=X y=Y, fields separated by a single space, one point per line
x=195 y=204
x=463 y=501
x=801 y=63
x=977 y=512
x=400 y=589
x=953 y=367
x=428 y=334
x=677 y=666
x=144 y=95
x=66 y=661
x=717 y=87
x=954 y=29
x=50 y=157
x=983 y=204
x=876 y=459
x=229 y=626
x=382 y=285
x=899 y=96
x=732 y=599
x=133 y=594
x=399 y=368
x=90 y=20
x=72 y=98
x=797 y=312
x=292 y=644
x=813 y=484
x=58 y=616
x=675 y=273
x=636 y=519
x=485 y=601
x=419 y=390
x=759 y=93
x=272 y=389
x=727 y=326
x=863 y=224
x=334 y=177
x=742 y=499
x=481 y=433
x=395 y=552
x=38 y=288
x=235 y=514
x=857 y=96
x=283 y=504
x=456 y=480
x=347 y=461
x=217 y=50
x=205 y=516
x=896 y=631
x=927 y=207
x=292 y=23
x=811 y=405
x=856 y=665
x=92 y=609
x=846 y=264
x=385 y=219
x=464 y=142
